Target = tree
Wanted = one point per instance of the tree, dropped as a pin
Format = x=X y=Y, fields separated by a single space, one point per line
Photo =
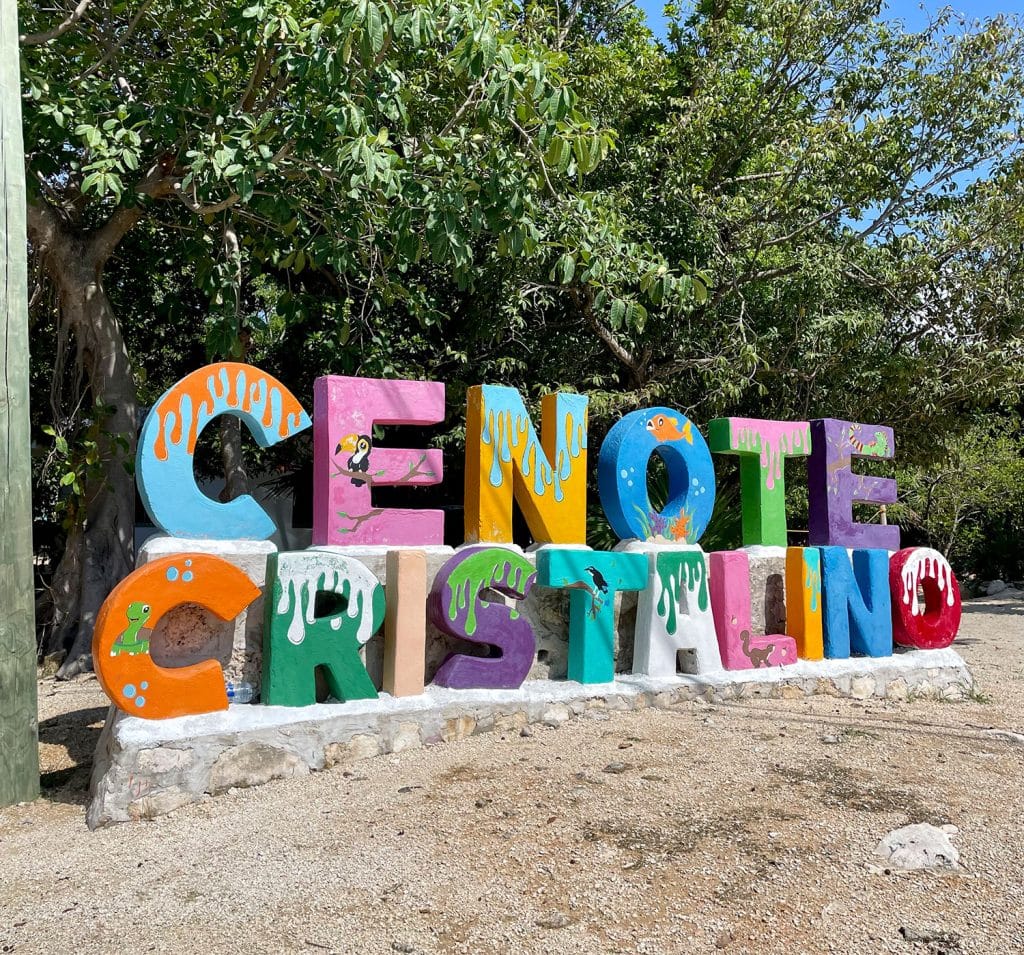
x=357 y=138
x=846 y=186
x=19 y=751
x=807 y=210
x=970 y=504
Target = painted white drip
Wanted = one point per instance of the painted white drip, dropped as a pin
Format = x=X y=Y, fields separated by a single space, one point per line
x=285 y=602
x=360 y=599
x=302 y=580
x=925 y=564
x=296 y=629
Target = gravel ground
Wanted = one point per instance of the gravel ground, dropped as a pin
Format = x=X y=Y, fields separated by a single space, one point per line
x=746 y=827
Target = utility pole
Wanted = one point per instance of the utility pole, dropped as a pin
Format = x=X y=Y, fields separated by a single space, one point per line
x=19 y=738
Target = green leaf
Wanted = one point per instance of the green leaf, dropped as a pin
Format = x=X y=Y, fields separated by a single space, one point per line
x=93 y=180
x=556 y=149
x=618 y=313
x=245 y=186
x=374 y=28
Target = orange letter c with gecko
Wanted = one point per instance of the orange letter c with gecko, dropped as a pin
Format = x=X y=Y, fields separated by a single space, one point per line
x=120 y=643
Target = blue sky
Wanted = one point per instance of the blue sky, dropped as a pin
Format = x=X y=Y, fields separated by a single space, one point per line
x=908 y=10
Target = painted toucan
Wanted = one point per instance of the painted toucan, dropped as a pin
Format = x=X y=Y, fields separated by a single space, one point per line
x=360 y=445
x=599 y=580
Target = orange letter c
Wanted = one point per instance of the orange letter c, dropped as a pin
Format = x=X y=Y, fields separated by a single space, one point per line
x=120 y=642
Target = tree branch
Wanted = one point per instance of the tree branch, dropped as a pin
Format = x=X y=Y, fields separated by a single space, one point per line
x=198 y=208
x=116 y=48
x=156 y=184
x=807 y=226
x=259 y=73
x=37 y=39
x=603 y=27
x=574 y=12
x=583 y=301
x=529 y=143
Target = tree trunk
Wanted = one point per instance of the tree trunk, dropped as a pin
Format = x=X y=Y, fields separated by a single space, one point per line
x=19 y=748
x=100 y=551
x=236 y=477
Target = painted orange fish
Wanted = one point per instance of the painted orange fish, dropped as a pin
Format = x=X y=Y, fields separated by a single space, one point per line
x=665 y=428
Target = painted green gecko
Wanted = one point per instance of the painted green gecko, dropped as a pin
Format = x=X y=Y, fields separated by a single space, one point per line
x=128 y=641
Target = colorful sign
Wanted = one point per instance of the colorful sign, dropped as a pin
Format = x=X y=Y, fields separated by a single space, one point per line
x=694 y=609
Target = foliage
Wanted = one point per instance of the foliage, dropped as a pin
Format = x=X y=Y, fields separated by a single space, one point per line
x=789 y=208
x=361 y=139
x=812 y=159
x=78 y=459
x=970 y=506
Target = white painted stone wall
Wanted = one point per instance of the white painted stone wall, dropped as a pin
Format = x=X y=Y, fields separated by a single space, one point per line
x=145 y=768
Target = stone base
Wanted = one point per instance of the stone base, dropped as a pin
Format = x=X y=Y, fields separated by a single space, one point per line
x=145 y=768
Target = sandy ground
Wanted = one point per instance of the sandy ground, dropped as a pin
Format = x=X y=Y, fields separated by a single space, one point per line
x=743 y=827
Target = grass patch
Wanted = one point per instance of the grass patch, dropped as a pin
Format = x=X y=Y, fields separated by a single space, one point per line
x=976 y=695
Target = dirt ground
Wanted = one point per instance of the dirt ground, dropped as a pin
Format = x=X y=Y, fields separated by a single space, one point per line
x=746 y=827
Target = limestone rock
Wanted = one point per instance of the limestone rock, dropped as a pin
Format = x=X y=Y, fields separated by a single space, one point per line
x=995 y=587
x=767 y=588
x=555 y=715
x=897 y=689
x=862 y=687
x=159 y=803
x=458 y=727
x=362 y=746
x=791 y=691
x=163 y=759
x=51 y=664
x=252 y=764
x=510 y=722
x=406 y=736
x=920 y=846
x=554 y=920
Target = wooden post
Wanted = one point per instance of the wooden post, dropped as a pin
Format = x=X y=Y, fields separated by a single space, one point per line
x=19 y=744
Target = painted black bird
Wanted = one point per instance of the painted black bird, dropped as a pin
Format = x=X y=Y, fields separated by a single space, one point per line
x=599 y=580
x=360 y=445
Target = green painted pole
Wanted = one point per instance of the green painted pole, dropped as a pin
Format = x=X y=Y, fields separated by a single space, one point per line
x=19 y=741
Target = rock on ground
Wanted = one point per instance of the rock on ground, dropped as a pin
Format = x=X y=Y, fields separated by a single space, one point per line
x=920 y=846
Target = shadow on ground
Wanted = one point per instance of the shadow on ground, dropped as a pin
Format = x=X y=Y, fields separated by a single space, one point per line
x=78 y=732
x=1008 y=607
